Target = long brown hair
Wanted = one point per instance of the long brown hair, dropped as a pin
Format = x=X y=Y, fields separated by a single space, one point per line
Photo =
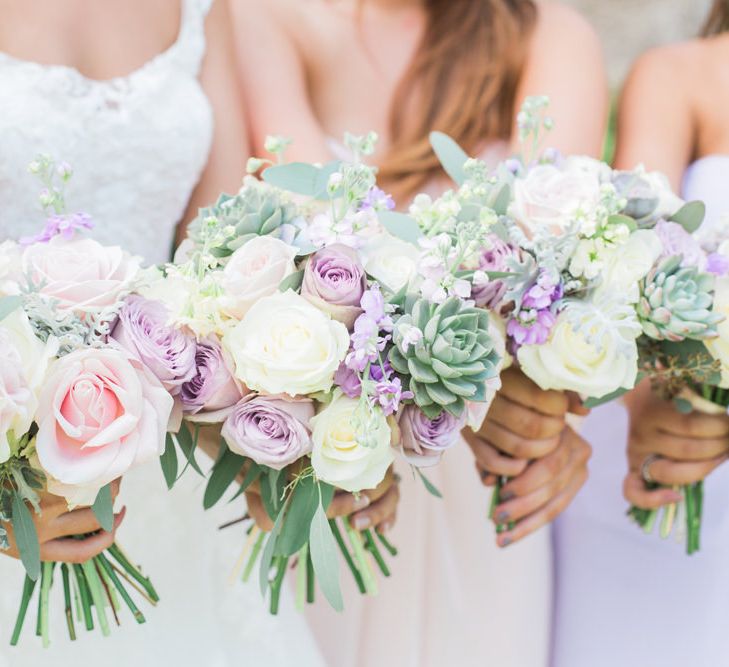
x=718 y=20
x=462 y=81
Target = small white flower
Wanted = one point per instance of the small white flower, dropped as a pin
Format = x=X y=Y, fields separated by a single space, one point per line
x=411 y=335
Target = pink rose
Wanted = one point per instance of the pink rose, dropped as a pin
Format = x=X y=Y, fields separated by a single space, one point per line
x=81 y=275
x=100 y=413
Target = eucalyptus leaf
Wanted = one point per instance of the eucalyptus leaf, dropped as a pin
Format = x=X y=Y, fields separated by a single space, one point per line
x=683 y=406
x=430 y=487
x=26 y=537
x=222 y=476
x=295 y=530
x=9 y=304
x=451 y=156
x=325 y=558
x=254 y=472
x=292 y=282
x=595 y=402
x=268 y=551
x=502 y=200
x=302 y=178
x=401 y=226
x=690 y=216
x=168 y=462
x=188 y=444
x=103 y=508
x=327 y=494
x=619 y=219
x=272 y=486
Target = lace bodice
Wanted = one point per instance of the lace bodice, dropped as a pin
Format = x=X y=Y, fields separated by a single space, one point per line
x=137 y=144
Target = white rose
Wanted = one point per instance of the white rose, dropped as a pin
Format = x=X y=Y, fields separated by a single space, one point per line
x=338 y=458
x=555 y=197
x=17 y=401
x=592 y=364
x=719 y=347
x=253 y=271
x=627 y=264
x=10 y=268
x=668 y=201
x=284 y=345
x=391 y=261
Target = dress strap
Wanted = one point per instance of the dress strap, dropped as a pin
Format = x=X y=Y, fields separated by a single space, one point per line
x=190 y=46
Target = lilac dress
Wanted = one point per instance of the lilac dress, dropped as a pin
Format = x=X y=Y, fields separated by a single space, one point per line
x=624 y=598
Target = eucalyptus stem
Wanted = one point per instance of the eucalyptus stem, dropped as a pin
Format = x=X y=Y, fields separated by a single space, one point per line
x=355 y=539
x=347 y=556
x=85 y=594
x=46 y=581
x=371 y=546
x=92 y=579
x=108 y=591
x=310 y=579
x=28 y=588
x=118 y=555
x=301 y=576
x=254 y=556
x=109 y=571
x=277 y=583
x=386 y=543
x=67 y=602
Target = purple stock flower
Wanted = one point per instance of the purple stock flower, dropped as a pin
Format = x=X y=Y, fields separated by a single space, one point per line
x=142 y=330
x=348 y=381
x=495 y=258
x=530 y=327
x=544 y=292
x=424 y=440
x=378 y=200
x=269 y=429
x=389 y=395
x=213 y=387
x=60 y=225
x=717 y=264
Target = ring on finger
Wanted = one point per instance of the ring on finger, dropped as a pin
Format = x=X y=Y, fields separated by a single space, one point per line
x=645 y=468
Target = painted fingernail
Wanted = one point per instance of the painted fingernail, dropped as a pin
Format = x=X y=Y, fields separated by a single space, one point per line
x=385 y=527
x=507 y=495
x=505 y=541
x=361 y=522
x=502 y=517
x=361 y=502
x=674 y=496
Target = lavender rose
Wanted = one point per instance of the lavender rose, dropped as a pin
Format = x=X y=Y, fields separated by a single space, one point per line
x=334 y=280
x=424 y=440
x=212 y=389
x=495 y=258
x=169 y=354
x=269 y=429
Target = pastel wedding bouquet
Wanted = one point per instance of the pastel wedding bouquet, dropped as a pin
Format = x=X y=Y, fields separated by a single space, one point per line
x=330 y=335
x=76 y=410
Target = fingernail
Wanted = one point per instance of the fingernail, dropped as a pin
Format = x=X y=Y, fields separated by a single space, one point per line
x=505 y=541
x=361 y=522
x=361 y=502
x=502 y=517
x=675 y=496
x=385 y=527
x=507 y=495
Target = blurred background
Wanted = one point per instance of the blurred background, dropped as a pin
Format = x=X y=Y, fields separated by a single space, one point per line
x=629 y=27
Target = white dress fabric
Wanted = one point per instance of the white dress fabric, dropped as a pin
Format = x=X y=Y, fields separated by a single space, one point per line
x=454 y=597
x=138 y=145
x=623 y=598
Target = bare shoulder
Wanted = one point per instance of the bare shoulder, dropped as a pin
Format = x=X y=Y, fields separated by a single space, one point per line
x=284 y=13
x=560 y=25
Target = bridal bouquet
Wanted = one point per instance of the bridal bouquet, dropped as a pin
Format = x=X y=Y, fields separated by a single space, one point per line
x=76 y=412
x=324 y=346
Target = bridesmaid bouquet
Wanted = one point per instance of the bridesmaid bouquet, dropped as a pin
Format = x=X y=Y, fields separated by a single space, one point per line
x=76 y=412
x=325 y=344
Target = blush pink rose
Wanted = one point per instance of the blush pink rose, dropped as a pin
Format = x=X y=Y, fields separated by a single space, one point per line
x=81 y=275
x=100 y=413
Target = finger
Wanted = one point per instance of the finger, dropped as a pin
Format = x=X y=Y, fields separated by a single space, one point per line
x=257 y=511
x=697 y=425
x=523 y=421
x=517 y=445
x=636 y=493
x=575 y=405
x=379 y=512
x=546 y=514
x=487 y=478
x=518 y=388
x=115 y=486
x=70 y=550
x=76 y=522
x=491 y=459
x=344 y=504
x=681 y=448
x=671 y=473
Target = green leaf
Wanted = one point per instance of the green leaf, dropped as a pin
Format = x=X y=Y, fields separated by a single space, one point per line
x=272 y=486
x=26 y=537
x=9 y=304
x=103 y=508
x=502 y=200
x=223 y=475
x=690 y=216
x=268 y=551
x=297 y=522
x=683 y=406
x=619 y=219
x=401 y=226
x=595 y=402
x=292 y=282
x=428 y=484
x=301 y=178
x=188 y=445
x=254 y=472
x=168 y=461
x=325 y=558
x=327 y=494
x=451 y=155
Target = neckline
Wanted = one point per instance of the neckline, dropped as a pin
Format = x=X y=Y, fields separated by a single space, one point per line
x=70 y=69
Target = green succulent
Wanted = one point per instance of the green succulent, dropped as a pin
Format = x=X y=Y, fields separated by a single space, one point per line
x=257 y=210
x=676 y=301
x=452 y=361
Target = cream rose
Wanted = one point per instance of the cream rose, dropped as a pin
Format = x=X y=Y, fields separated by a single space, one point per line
x=591 y=350
x=10 y=268
x=337 y=456
x=253 y=271
x=719 y=347
x=284 y=345
x=100 y=413
x=553 y=197
x=17 y=401
x=81 y=275
x=392 y=262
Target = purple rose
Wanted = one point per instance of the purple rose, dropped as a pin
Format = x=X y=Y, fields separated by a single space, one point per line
x=424 y=440
x=496 y=258
x=143 y=331
x=335 y=280
x=269 y=429
x=212 y=388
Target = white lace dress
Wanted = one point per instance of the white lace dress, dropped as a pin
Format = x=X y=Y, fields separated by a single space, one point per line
x=138 y=145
